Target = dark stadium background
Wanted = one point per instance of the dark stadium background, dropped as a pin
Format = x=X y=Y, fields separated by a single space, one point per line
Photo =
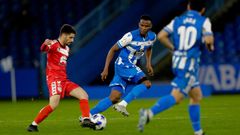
x=25 y=24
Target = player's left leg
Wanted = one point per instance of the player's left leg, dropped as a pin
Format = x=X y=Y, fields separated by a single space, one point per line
x=82 y=96
x=194 y=110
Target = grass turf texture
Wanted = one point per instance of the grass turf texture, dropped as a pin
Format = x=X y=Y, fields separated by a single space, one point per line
x=220 y=116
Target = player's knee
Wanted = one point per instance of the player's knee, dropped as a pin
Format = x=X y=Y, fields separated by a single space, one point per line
x=115 y=99
x=178 y=96
x=85 y=96
x=178 y=100
x=54 y=105
x=196 y=100
x=148 y=84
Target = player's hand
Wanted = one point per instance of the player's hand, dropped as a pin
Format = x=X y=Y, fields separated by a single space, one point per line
x=104 y=75
x=150 y=70
x=48 y=42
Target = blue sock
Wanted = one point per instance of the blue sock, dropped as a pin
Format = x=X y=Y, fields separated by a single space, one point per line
x=163 y=104
x=136 y=91
x=102 y=105
x=194 y=113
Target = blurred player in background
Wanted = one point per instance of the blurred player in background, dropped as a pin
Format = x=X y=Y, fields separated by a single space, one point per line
x=187 y=31
x=132 y=47
x=57 y=81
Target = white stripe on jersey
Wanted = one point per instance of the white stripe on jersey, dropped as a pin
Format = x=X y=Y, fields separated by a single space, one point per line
x=132 y=51
x=192 y=64
x=131 y=54
x=138 y=43
x=182 y=62
x=175 y=61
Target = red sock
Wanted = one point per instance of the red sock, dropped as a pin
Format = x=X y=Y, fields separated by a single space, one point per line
x=84 y=107
x=43 y=114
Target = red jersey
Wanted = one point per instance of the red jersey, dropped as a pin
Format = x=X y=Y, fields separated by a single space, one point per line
x=56 y=59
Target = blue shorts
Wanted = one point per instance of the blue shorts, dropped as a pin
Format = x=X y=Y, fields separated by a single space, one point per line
x=185 y=80
x=125 y=75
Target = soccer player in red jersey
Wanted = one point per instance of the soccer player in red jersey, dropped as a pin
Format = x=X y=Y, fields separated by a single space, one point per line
x=57 y=81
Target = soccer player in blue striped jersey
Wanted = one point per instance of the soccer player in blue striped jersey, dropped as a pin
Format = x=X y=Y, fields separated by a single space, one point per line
x=189 y=31
x=132 y=47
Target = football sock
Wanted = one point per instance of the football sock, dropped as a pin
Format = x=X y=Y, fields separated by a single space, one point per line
x=102 y=105
x=42 y=114
x=163 y=104
x=84 y=107
x=194 y=113
x=34 y=123
x=135 y=92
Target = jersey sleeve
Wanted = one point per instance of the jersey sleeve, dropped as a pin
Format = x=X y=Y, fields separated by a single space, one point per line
x=169 y=27
x=47 y=48
x=44 y=48
x=154 y=40
x=207 y=28
x=125 y=40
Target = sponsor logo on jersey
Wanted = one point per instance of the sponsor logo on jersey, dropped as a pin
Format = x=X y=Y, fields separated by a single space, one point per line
x=63 y=51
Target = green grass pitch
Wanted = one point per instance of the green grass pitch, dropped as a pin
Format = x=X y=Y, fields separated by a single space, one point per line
x=220 y=116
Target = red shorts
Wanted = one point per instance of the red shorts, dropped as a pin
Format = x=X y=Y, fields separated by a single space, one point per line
x=60 y=87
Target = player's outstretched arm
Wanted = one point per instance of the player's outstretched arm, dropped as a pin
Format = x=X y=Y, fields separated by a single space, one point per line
x=209 y=42
x=163 y=38
x=46 y=45
x=109 y=58
x=148 y=60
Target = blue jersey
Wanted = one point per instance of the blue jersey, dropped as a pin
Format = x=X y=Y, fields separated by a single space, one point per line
x=187 y=32
x=133 y=46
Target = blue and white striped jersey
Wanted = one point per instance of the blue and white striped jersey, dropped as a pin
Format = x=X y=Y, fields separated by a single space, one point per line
x=187 y=32
x=133 y=46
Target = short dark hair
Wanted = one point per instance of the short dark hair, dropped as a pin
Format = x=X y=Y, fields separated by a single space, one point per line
x=146 y=17
x=68 y=29
x=197 y=5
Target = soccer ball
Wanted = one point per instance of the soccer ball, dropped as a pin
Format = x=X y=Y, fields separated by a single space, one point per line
x=100 y=121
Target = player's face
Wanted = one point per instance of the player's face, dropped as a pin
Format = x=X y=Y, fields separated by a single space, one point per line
x=69 y=38
x=144 y=26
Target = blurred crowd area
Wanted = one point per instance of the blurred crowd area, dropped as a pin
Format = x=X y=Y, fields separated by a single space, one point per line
x=26 y=23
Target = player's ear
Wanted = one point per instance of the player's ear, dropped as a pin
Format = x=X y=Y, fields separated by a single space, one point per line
x=188 y=7
x=202 y=11
x=151 y=25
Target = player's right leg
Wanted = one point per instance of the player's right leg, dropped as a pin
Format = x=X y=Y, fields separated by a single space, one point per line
x=79 y=93
x=44 y=112
x=194 y=110
x=143 y=85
